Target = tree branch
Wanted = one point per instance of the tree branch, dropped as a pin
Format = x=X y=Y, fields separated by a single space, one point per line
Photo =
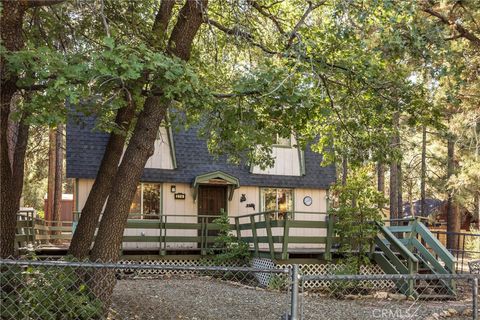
x=41 y=3
x=463 y=32
x=268 y=15
x=310 y=8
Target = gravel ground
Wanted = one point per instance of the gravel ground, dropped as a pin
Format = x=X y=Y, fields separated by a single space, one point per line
x=206 y=298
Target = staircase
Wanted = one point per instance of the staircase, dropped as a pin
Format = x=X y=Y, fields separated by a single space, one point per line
x=413 y=249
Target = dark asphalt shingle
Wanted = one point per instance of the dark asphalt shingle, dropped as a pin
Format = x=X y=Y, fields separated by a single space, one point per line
x=85 y=148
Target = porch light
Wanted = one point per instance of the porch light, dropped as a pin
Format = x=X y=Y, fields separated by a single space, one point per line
x=173 y=189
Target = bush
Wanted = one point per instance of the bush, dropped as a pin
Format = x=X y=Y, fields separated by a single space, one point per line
x=46 y=293
x=227 y=247
x=357 y=208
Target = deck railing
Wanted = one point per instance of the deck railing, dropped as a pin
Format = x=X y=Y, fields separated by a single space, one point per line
x=268 y=233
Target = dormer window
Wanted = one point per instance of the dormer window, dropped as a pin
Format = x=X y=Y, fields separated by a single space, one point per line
x=283 y=142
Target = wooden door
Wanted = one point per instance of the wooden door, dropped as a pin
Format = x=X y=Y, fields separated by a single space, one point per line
x=212 y=200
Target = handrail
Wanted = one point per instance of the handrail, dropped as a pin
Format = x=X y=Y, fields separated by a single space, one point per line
x=436 y=245
x=399 y=245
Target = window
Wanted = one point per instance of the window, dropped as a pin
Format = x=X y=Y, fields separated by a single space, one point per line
x=277 y=200
x=146 y=203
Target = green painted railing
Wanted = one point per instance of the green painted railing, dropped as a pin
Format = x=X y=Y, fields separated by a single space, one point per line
x=409 y=247
x=270 y=228
x=266 y=230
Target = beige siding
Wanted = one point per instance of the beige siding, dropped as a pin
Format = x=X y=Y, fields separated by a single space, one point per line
x=318 y=208
x=287 y=162
x=84 y=187
x=237 y=208
x=161 y=158
x=176 y=209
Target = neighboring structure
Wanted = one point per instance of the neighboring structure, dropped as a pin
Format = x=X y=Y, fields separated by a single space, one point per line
x=66 y=207
x=183 y=181
x=436 y=212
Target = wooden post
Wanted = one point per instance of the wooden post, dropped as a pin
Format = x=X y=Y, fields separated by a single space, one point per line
x=254 y=235
x=237 y=226
x=285 y=237
x=163 y=235
x=329 y=241
x=268 y=226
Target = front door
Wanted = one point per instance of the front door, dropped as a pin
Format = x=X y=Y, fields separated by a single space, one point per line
x=212 y=200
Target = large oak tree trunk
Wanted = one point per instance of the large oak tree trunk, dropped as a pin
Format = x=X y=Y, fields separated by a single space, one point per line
x=11 y=174
x=453 y=215
x=84 y=233
x=12 y=38
x=85 y=230
x=109 y=238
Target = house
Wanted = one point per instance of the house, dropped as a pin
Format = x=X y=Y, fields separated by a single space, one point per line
x=436 y=212
x=184 y=187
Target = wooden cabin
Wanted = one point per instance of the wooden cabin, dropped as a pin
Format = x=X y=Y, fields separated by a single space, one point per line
x=183 y=188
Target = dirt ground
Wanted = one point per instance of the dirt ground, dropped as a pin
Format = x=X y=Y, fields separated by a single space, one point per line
x=207 y=298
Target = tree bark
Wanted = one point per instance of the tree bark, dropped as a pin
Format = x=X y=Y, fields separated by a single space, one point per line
x=400 y=190
x=395 y=178
x=423 y=173
x=381 y=177
x=109 y=238
x=344 y=170
x=85 y=230
x=11 y=174
x=84 y=233
x=49 y=214
x=12 y=39
x=57 y=197
x=453 y=216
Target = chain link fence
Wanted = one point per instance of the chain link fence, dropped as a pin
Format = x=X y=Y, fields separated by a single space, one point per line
x=38 y=289
x=80 y=290
x=421 y=296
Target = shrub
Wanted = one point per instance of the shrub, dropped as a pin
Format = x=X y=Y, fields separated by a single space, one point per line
x=47 y=293
x=226 y=246
x=357 y=207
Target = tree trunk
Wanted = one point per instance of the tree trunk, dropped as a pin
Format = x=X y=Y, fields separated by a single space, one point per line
x=423 y=174
x=11 y=183
x=11 y=20
x=476 y=197
x=400 y=190
x=110 y=233
x=453 y=216
x=381 y=177
x=52 y=139
x=344 y=170
x=57 y=197
x=85 y=230
x=12 y=38
x=394 y=174
x=84 y=233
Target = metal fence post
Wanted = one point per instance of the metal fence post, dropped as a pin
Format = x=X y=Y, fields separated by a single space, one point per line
x=475 y=298
x=294 y=302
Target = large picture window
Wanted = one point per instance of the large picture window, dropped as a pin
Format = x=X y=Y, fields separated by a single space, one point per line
x=277 y=200
x=146 y=203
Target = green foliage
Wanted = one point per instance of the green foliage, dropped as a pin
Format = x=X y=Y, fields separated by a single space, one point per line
x=47 y=293
x=227 y=247
x=358 y=205
x=277 y=282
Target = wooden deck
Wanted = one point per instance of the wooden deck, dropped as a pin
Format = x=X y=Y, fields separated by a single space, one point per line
x=268 y=235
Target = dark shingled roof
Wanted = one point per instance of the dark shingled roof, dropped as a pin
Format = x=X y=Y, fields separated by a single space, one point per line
x=85 y=148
